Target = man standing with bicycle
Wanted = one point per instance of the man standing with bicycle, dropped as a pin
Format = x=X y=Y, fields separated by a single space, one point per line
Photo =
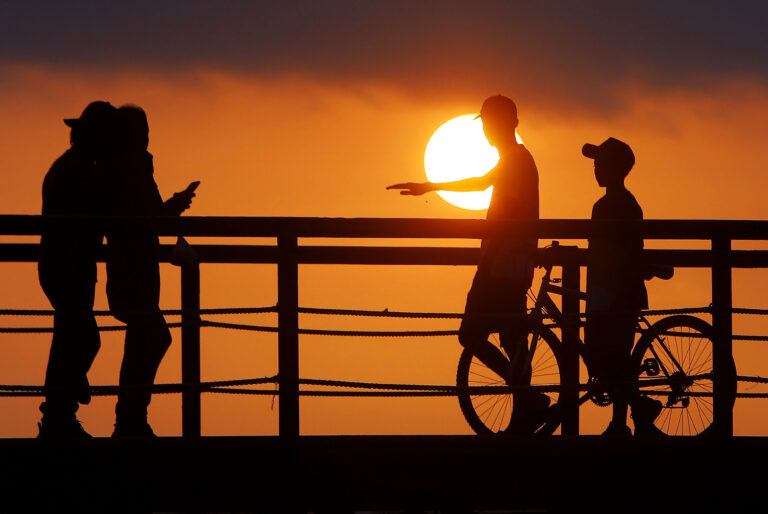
x=616 y=292
x=496 y=302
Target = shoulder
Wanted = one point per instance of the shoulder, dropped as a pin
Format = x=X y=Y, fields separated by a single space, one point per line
x=523 y=157
x=617 y=205
x=61 y=167
x=600 y=208
x=632 y=206
x=519 y=162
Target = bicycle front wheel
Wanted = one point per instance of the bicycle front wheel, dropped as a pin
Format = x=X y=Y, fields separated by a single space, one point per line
x=491 y=413
x=674 y=359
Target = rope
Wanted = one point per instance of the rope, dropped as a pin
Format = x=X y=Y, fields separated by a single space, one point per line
x=759 y=312
x=754 y=380
x=356 y=333
x=384 y=314
x=49 y=330
x=377 y=389
x=111 y=390
x=166 y=312
x=749 y=338
x=359 y=312
x=238 y=326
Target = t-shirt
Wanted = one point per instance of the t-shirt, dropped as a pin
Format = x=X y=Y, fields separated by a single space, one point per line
x=515 y=198
x=614 y=274
x=70 y=189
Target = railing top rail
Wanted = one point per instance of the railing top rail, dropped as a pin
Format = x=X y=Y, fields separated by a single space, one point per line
x=219 y=226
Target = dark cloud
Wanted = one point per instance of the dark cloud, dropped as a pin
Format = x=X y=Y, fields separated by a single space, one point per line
x=575 y=50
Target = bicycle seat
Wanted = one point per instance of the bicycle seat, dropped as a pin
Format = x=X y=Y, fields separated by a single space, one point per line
x=662 y=271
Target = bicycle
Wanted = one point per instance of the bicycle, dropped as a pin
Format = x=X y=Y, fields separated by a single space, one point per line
x=673 y=359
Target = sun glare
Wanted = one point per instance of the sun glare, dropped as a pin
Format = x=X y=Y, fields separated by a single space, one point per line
x=457 y=150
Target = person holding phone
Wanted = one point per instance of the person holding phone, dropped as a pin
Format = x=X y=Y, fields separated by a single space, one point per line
x=133 y=271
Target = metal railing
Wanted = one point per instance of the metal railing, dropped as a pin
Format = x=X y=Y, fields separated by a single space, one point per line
x=288 y=254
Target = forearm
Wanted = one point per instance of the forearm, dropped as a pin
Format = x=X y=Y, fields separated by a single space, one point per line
x=171 y=207
x=464 y=185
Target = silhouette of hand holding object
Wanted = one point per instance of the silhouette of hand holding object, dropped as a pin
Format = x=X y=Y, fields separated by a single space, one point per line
x=412 y=188
x=179 y=202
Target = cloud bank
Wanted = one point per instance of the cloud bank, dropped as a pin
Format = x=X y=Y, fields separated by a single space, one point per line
x=576 y=52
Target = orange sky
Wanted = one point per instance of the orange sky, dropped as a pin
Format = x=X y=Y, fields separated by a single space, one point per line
x=297 y=146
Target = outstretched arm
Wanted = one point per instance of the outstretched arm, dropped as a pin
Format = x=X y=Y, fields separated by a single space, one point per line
x=464 y=185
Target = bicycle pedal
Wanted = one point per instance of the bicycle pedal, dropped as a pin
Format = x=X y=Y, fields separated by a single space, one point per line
x=650 y=367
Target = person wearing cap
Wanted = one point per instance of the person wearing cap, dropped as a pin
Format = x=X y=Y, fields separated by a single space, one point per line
x=616 y=292
x=497 y=300
x=133 y=270
x=67 y=271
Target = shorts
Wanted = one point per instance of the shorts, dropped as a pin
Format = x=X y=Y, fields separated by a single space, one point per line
x=608 y=339
x=494 y=304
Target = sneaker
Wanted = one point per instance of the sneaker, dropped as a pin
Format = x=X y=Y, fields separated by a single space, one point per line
x=61 y=429
x=526 y=421
x=649 y=431
x=616 y=429
x=140 y=429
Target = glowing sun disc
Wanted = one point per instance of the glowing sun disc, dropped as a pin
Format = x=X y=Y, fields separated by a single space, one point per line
x=457 y=150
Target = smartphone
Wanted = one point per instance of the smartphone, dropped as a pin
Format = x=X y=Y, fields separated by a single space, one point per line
x=192 y=186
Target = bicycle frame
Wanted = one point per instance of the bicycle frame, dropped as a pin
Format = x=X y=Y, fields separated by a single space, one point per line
x=545 y=307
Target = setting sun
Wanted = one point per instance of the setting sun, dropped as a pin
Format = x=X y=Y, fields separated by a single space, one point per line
x=457 y=150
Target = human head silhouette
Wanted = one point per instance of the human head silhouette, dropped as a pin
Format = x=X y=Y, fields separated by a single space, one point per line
x=499 y=115
x=90 y=132
x=133 y=131
x=613 y=160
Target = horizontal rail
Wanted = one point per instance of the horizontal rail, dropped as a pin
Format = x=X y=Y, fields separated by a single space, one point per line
x=390 y=255
x=211 y=226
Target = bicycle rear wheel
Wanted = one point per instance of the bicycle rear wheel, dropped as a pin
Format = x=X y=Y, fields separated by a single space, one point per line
x=491 y=413
x=674 y=359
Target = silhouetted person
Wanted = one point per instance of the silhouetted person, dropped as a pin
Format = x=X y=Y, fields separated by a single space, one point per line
x=133 y=271
x=67 y=271
x=616 y=292
x=497 y=299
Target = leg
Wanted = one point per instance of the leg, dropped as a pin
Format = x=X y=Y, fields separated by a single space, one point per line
x=473 y=336
x=147 y=339
x=481 y=313
x=609 y=339
x=73 y=347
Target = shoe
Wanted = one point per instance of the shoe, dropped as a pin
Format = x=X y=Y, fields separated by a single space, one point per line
x=525 y=422
x=649 y=431
x=61 y=429
x=617 y=430
x=136 y=429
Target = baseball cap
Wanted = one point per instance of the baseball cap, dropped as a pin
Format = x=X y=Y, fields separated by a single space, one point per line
x=498 y=106
x=611 y=151
x=95 y=113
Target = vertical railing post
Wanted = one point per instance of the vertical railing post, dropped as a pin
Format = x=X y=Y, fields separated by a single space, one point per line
x=288 y=334
x=722 y=324
x=569 y=372
x=190 y=349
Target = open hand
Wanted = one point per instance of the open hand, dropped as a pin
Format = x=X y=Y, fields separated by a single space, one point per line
x=412 y=188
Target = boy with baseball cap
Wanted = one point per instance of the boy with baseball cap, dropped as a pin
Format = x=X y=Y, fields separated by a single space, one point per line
x=616 y=292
